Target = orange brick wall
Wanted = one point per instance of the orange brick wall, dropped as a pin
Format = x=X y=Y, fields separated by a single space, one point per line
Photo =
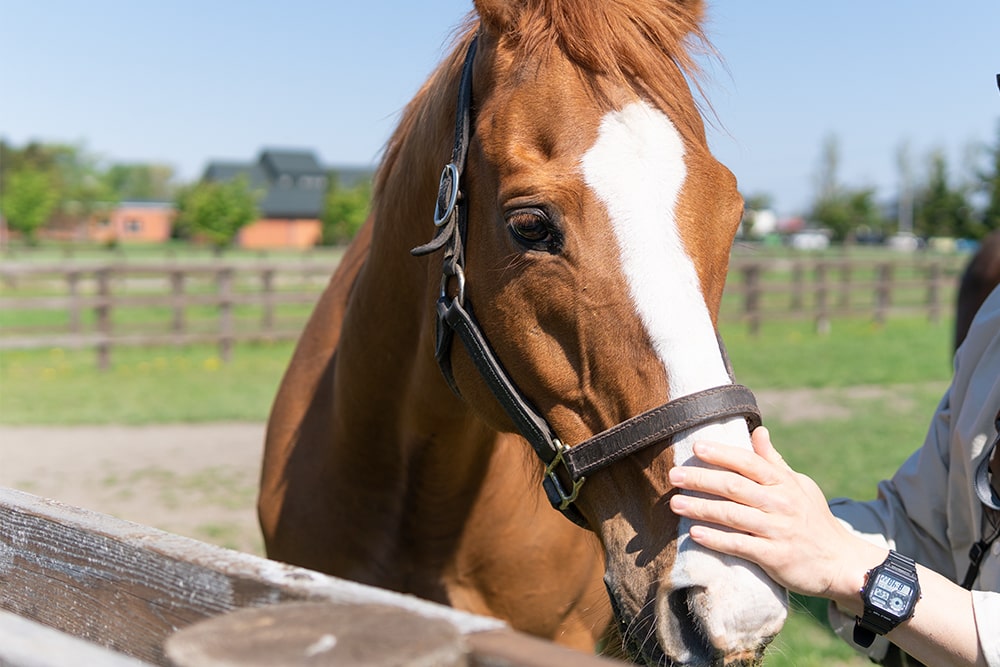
x=274 y=233
x=150 y=224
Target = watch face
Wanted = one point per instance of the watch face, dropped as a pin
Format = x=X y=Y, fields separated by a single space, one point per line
x=891 y=594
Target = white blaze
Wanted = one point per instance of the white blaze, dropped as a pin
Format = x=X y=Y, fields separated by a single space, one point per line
x=636 y=169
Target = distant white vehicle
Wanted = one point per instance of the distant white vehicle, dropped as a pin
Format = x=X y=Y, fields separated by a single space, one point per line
x=903 y=242
x=810 y=239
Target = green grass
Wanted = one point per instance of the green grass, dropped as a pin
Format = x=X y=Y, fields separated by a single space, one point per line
x=855 y=352
x=144 y=386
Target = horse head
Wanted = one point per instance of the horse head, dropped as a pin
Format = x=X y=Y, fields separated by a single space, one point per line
x=592 y=238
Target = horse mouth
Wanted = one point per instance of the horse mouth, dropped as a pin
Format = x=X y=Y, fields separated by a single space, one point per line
x=641 y=644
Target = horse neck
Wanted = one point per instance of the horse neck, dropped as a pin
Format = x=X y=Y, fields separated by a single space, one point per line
x=386 y=364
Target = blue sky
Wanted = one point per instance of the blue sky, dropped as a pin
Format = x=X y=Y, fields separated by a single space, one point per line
x=184 y=82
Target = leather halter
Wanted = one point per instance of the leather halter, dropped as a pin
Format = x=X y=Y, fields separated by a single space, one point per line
x=566 y=468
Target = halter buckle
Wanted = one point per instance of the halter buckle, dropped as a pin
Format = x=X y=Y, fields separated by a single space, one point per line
x=448 y=193
x=565 y=499
x=459 y=274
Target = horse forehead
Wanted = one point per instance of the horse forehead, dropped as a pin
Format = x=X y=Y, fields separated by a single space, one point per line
x=538 y=121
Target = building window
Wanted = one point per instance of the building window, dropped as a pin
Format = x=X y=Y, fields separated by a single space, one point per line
x=133 y=226
x=312 y=182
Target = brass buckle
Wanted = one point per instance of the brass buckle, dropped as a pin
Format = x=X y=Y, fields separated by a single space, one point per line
x=566 y=499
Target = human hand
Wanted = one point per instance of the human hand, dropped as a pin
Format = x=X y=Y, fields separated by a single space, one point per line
x=761 y=510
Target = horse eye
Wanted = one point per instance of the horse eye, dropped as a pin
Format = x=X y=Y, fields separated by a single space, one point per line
x=532 y=228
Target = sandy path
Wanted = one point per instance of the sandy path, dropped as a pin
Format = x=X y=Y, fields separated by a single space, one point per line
x=200 y=480
x=195 y=480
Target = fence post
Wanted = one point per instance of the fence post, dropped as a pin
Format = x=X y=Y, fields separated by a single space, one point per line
x=102 y=310
x=822 y=291
x=883 y=292
x=267 y=300
x=934 y=292
x=73 y=285
x=224 y=278
x=751 y=295
x=845 y=286
x=798 y=287
x=177 y=296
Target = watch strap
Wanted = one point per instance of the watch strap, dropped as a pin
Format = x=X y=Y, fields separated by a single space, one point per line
x=873 y=623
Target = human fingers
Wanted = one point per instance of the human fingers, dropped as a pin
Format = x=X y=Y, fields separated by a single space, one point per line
x=746 y=462
x=761 y=441
x=740 y=544
x=733 y=516
x=718 y=482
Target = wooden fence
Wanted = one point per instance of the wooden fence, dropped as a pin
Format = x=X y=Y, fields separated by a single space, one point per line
x=102 y=306
x=81 y=588
x=821 y=290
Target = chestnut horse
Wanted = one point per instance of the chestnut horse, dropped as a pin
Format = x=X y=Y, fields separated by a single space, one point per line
x=981 y=275
x=578 y=248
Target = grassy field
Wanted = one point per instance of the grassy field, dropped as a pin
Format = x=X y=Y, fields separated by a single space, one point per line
x=879 y=384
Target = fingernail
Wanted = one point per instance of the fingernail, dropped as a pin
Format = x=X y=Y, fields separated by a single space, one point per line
x=677 y=476
x=679 y=503
x=701 y=448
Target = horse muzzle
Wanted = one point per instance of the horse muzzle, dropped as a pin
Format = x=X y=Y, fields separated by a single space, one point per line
x=709 y=610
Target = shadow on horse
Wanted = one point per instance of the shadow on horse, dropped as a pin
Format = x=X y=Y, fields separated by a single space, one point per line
x=550 y=342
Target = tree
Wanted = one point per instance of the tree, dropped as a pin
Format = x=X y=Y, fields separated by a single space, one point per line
x=988 y=184
x=150 y=182
x=840 y=209
x=940 y=209
x=216 y=211
x=76 y=175
x=848 y=211
x=28 y=201
x=344 y=211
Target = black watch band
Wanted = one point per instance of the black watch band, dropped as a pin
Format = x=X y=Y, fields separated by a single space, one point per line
x=878 y=622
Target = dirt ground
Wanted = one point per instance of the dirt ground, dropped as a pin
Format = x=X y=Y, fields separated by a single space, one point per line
x=201 y=480
x=194 y=480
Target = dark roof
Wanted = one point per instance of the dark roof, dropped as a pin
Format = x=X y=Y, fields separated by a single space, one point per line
x=289 y=162
x=293 y=182
x=227 y=171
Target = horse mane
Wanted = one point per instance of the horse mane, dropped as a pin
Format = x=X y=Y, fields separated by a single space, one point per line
x=645 y=45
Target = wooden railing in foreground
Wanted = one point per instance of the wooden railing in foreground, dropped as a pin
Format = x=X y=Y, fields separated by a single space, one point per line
x=77 y=587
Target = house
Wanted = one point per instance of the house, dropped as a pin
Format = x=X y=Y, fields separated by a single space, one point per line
x=134 y=221
x=293 y=186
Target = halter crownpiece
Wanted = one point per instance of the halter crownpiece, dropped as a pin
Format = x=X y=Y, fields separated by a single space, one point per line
x=566 y=468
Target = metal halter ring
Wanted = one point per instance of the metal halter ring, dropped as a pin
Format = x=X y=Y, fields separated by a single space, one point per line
x=460 y=276
x=449 y=179
x=566 y=499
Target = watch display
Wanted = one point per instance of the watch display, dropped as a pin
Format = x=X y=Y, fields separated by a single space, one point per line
x=890 y=594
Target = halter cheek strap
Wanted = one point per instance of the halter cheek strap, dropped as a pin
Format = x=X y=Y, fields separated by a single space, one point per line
x=566 y=468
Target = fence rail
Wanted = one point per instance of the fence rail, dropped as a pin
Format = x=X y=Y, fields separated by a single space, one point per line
x=108 y=305
x=78 y=587
x=102 y=306
x=820 y=290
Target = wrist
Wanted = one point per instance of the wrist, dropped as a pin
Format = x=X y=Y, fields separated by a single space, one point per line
x=846 y=589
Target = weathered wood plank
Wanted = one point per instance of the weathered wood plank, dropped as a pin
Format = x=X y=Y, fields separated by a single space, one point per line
x=128 y=587
x=318 y=634
x=24 y=643
x=507 y=648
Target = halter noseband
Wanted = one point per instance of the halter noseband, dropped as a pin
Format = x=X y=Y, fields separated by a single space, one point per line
x=566 y=468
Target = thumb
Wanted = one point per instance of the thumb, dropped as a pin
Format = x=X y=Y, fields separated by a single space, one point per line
x=761 y=441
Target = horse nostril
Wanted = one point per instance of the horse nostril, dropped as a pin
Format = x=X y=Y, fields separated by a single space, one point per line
x=687 y=620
